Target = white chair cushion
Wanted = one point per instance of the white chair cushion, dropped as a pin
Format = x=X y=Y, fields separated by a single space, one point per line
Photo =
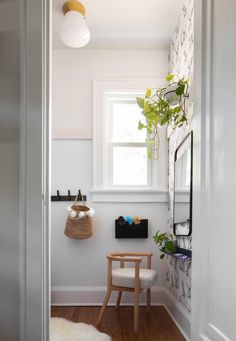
x=125 y=277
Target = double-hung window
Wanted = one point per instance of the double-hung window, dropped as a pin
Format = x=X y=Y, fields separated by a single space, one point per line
x=120 y=162
x=127 y=163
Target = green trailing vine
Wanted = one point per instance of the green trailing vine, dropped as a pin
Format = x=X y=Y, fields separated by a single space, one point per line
x=161 y=107
x=166 y=243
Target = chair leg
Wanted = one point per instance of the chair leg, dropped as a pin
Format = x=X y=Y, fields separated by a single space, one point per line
x=118 y=299
x=106 y=299
x=136 y=311
x=148 y=300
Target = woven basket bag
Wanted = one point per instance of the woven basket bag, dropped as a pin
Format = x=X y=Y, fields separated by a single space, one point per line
x=79 y=228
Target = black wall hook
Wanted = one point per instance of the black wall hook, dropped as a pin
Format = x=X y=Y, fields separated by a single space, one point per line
x=58 y=196
x=68 y=197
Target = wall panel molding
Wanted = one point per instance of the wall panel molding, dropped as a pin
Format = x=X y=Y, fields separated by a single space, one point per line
x=215 y=333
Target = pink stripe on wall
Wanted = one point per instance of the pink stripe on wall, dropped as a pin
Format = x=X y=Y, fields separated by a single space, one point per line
x=72 y=134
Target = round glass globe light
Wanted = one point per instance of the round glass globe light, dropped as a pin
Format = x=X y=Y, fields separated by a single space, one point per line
x=74 y=30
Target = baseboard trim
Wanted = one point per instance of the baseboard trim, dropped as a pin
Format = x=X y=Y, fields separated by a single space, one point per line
x=180 y=316
x=93 y=296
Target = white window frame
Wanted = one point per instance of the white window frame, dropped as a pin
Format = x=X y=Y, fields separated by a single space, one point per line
x=110 y=99
x=103 y=191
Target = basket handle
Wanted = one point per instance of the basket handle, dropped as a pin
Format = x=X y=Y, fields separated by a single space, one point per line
x=77 y=196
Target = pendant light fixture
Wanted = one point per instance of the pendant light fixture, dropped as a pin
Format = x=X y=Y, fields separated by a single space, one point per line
x=74 y=29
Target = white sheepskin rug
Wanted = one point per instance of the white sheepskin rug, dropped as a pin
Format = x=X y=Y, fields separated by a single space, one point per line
x=64 y=330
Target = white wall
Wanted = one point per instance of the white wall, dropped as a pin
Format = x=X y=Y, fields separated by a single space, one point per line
x=74 y=71
x=83 y=263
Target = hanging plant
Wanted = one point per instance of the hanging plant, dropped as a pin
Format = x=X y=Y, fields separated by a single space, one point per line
x=161 y=107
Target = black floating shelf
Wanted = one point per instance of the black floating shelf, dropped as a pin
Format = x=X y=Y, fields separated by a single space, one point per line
x=131 y=231
x=184 y=252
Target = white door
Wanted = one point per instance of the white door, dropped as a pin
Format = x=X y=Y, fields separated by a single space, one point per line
x=24 y=280
x=9 y=171
x=34 y=164
x=214 y=199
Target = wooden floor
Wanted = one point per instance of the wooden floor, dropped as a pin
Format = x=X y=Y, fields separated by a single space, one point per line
x=118 y=323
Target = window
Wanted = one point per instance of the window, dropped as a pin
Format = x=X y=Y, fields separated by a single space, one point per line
x=126 y=150
x=121 y=162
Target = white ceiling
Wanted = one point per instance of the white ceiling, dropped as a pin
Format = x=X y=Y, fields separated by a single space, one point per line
x=125 y=23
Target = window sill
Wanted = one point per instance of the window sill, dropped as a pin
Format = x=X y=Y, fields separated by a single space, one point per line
x=130 y=195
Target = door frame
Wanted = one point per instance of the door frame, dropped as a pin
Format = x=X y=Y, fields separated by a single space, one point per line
x=201 y=157
x=35 y=163
x=35 y=132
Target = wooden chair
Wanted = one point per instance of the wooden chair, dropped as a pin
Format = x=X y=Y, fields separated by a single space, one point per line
x=135 y=279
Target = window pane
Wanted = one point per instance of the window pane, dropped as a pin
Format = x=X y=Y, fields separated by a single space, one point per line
x=125 y=118
x=129 y=166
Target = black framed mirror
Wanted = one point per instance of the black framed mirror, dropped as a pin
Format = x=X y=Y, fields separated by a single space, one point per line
x=182 y=206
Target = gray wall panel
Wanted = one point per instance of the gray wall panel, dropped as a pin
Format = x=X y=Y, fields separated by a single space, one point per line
x=9 y=170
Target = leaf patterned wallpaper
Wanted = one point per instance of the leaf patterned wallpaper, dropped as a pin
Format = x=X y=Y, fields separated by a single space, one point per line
x=178 y=275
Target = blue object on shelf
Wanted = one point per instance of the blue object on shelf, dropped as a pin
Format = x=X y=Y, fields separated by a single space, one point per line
x=129 y=220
